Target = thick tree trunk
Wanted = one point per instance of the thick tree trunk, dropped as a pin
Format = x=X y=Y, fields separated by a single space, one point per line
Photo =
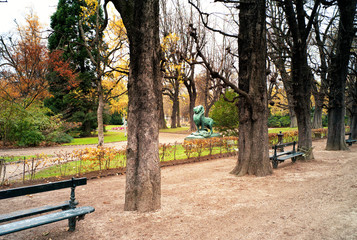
x=253 y=156
x=143 y=181
x=100 y=116
x=337 y=76
x=293 y=119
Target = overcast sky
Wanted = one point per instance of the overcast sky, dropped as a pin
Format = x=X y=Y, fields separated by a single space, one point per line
x=17 y=9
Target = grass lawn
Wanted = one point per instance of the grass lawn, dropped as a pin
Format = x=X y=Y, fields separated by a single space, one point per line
x=277 y=130
x=108 y=137
x=175 y=130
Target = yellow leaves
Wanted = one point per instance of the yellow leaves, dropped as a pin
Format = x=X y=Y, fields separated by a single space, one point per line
x=90 y=9
x=169 y=43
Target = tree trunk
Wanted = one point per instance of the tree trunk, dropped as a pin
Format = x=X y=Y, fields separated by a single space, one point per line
x=337 y=77
x=293 y=119
x=301 y=88
x=317 y=120
x=143 y=181
x=253 y=155
x=175 y=105
x=192 y=93
x=174 y=114
x=162 y=122
x=100 y=116
x=353 y=126
x=178 y=116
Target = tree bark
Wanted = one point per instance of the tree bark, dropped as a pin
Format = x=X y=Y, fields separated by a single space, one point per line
x=253 y=156
x=317 y=120
x=353 y=126
x=100 y=115
x=143 y=181
x=162 y=122
x=337 y=76
x=192 y=93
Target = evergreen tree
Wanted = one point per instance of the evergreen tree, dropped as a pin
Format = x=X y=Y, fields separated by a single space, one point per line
x=76 y=102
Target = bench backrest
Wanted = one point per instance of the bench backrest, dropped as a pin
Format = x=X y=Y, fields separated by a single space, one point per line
x=278 y=146
x=16 y=192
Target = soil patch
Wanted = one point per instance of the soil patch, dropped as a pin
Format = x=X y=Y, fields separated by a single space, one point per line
x=314 y=199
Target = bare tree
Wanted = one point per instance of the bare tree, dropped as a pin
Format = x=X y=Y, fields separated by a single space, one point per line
x=253 y=155
x=338 y=74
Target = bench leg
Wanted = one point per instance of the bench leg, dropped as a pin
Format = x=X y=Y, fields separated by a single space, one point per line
x=275 y=163
x=71 y=224
x=293 y=159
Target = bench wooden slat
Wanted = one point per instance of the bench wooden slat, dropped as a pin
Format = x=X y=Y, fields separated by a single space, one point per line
x=33 y=211
x=283 y=158
x=16 y=192
x=279 y=154
x=45 y=219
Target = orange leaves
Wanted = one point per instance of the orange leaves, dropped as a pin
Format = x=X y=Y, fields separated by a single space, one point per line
x=63 y=68
x=24 y=66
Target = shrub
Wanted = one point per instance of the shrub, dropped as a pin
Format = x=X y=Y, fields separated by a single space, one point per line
x=59 y=137
x=225 y=115
x=31 y=138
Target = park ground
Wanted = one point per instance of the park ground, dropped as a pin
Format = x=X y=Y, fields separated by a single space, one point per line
x=314 y=199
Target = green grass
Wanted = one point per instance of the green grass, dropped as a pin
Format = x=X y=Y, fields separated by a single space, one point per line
x=277 y=130
x=108 y=137
x=17 y=158
x=175 y=130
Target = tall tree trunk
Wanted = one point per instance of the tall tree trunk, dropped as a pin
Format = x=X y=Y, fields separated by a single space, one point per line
x=143 y=181
x=317 y=120
x=192 y=93
x=100 y=115
x=337 y=76
x=178 y=116
x=353 y=126
x=174 y=114
x=162 y=122
x=253 y=155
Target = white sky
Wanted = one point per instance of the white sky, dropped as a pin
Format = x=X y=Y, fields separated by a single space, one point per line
x=18 y=9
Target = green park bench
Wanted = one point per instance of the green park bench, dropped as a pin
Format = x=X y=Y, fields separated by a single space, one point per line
x=69 y=209
x=349 y=141
x=284 y=155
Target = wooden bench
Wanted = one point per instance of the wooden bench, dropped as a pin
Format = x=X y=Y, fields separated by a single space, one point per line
x=350 y=141
x=69 y=210
x=283 y=155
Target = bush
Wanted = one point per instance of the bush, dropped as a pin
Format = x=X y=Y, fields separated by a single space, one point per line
x=225 y=115
x=59 y=137
x=279 y=121
x=31 y=138
x=116 y=119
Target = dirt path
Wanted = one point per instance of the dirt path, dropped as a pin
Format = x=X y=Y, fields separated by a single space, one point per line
x=307 y=200
x=163 y=138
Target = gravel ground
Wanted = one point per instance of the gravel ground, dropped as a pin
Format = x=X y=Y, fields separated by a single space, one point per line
x=314 y=199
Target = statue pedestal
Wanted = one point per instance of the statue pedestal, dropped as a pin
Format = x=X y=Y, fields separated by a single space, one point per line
x=194 y=136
